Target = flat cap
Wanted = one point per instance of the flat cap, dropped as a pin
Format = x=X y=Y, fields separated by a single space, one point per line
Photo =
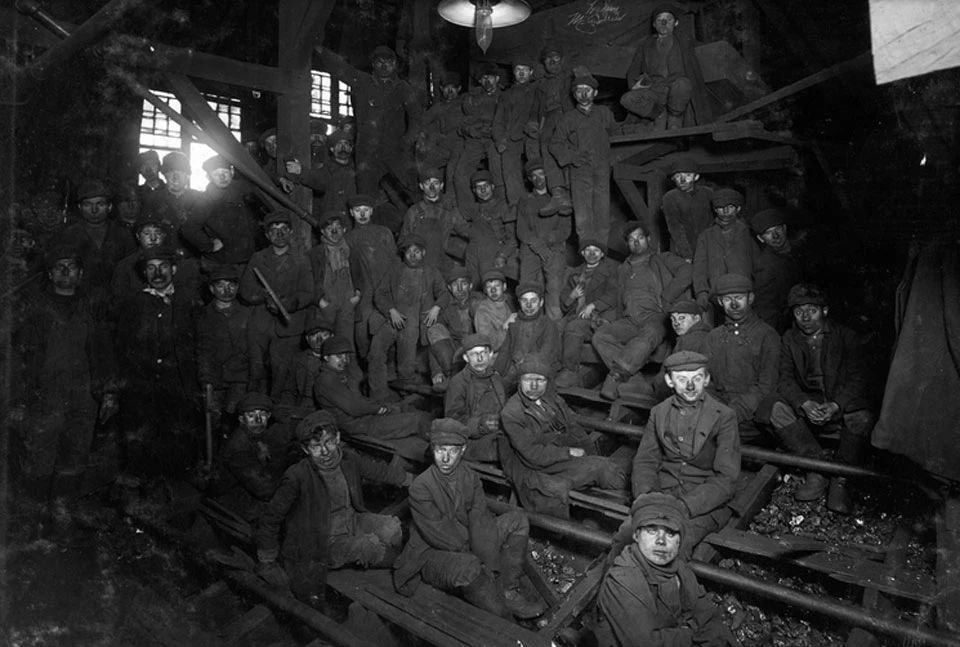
x=451 y=78
x=60 y=250
x=633 y=225
x=410 y=240
x=733 y=284
x=493 y=275
x=92 y=189
x=586 y=79
x=448 y=431
x=164 y=252
x=806 y=293
x=175 y=161
x=329 y=217
x=430 y=173
x=148 y=156
x=226 y=272
x=487 y=68
x=336 y=345
x=525 y=59
x=665 y=7
x=360 y=200
x=339 y=136
x=482 y=175
x=657 y=508
x=725 y=197
x=592 y=242
x=148 y=217
x=269 y=132
x=685 y=360
x=764 y=220
x=254 y=400
x=523 y=288
x=382 y=51
x=318 y=419
x=684 y=164
x=532 y=165
x=280 y=215
x=686 y=307
x=552 y=47
x=457 y=272
x=215 y=162
x=536 y=365
x=475 y=341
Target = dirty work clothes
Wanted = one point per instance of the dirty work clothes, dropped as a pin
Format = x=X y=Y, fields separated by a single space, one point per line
x=489 y=320
x=274 y=342
x=373 y=252
x=65 y=360
x=774 y=273
x=336 y=274
x=664 y=62
x=693 y=453
x=744 y=364
x=688 y=214
x=438 y=142
x=578 y=133
x=641 y=604
x=543 y=247
x=298 y=391
x=100 y=249
x=476 y=131
x=453 y=535
x=435 y=222
x=722 y=251
x=223 y=351
x=173 y=210
x=230 y=215
x=554 y=96
x=334 y=180
x=525 y=336
x=516 y=108
x=454 y=323
x=599 y=284
x=493 y=234
x=470 y=398
x=537 y=458
x=252 y=467
x=388 y=113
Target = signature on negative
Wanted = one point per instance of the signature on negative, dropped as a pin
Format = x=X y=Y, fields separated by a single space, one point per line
x=599 y=12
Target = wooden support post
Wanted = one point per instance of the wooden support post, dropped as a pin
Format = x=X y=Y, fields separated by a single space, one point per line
x=948 y=565
x=634 y=198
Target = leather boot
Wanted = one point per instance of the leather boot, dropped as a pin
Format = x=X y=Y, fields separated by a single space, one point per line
x=511 y=563
x=484 y=593
x=797 y=439
x=674 y=121
x=559 y=202
x=851 y=451
x=611 y=385
x=660 y=121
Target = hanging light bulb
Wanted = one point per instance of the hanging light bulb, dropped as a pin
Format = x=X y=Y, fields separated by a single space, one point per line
x=484 y=16
x=483 y=24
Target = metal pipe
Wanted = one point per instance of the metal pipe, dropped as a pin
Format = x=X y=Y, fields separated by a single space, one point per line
x=829 y=607
x=32 y=9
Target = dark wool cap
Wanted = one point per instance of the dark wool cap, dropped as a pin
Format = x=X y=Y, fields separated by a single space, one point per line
x=523 y=288
x=493 y=275
x=148 y=218
x=685 y=360
x=431 y=173
x=806 y=293
x=411 y=239
x=360 y=200
x=666 y=7
x=525 y=59
x=592 y=242
x=318 y=419
x=163 y=252
x=535 y=364
x=532 y=165
x=451 y=78
x=733 y=284
x=766 y=219
x=684 y=164
x=339 y=135
x=147 y=156
x=658 y=509
x=448 y=431
x=685 y=306
x=481 y=176
x=269 y=132
x=473 y=341
x=586 y=79
x=60 y=251
x=215 y=162
x=329 y=217
x=336 y=345
x=382 y=51
x=487 y=68
x=228 y=272
x=175 y=161
x=725 y=197
x=92 y=189
x=253 y=400
x=280 y=215
x=551 y=48
x=632 y=226
x=457 y=272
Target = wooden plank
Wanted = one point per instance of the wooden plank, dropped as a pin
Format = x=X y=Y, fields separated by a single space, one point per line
x=649 y=154
x=540 y=583
x=23 y=30
x=948 y=565
x=580 y=595
x=246 y=623
x=746 y=504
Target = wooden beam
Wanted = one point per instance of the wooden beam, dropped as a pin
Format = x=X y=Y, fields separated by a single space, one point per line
x=948 y=565
x=798 y=86
x=311 y=28
x=633 y=197
x=578 y=598
x=15 y=27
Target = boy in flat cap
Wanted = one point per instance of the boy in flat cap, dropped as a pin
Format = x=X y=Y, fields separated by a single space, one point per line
x=691 y=448
x=776 y=268
x=823 y=384
x=254 y=457
x=588 y=298
x=646 y=281
x=554 y=97
x=337 y=390
x=581 y=146
x=456 y=544
x=543 y=239
x=531 y=332
x=476 y=130
x=319 y=506
x=408 y=301
x=149 y=231
x=725 y=247
x=148 y=166
x=493 y=229
x=650 y=596
x=388 y=112
x=335 y=178
x=476 y=397
x=274 y=339
x=549 y=454
x=438 y=142
x=436 y=219
x=64 y=360
x=494 y=312
x=744 y=355
x=176 y=203
x=374 y=252
x=223 y=342
x=515 y=114
x=686 y=207
x=453 y=324
x=661 y=76
x=336 y=276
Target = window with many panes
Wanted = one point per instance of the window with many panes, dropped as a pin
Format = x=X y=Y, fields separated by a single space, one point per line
x=329 y=101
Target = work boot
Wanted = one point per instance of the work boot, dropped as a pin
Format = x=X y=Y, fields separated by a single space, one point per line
x=660 y=121
x=559 y=202
x=567 y=378
x=512 y=556
x=838 y=497
x=439 y=383
x=611 y=385
x=484 y=593
x=797 y=439
x=674 y=121
x=814 y=485
x=851 y=451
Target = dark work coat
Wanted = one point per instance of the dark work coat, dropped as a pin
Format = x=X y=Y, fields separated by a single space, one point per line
x=470 y=396
x=435 y=222
x=526 y=336
x=601 y=289
x=774 y=273
x=99 y=260
x=301 y=506
x=339 y=393
x=441 y=522
x=335 y=181
x=173 y=210
x=228 y=214
x=252 y=475
x=223 y=345
x=404 y=287
x=317 y=257
x=649 y=283
x=844 y=371
x=719 y=252
x=579 y=132
x=687 y=216
x=706 y=478
x=744 y=364
x=290 y=277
